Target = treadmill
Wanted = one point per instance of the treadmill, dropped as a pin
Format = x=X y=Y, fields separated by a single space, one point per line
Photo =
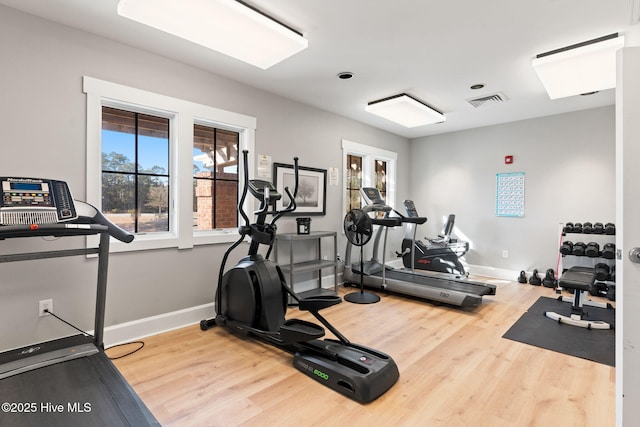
x=70 y=380
x=438 y=287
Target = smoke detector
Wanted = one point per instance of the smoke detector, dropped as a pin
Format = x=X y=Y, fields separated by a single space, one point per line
x=493 y=98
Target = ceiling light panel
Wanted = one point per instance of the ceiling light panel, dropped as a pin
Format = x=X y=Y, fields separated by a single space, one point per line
x=581 y=68
x=406 y=111
x=226 y=26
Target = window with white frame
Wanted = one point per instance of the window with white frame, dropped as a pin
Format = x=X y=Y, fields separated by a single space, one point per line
x=135 y=170
x=366 y=166
x=215 y=178
x=146 y=156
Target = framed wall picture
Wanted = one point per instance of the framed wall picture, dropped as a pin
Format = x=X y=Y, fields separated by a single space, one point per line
x=312 y=188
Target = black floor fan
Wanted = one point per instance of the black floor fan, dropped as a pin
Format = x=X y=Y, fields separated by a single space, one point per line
x=358 y=229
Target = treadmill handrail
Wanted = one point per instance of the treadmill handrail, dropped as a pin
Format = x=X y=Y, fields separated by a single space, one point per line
x=413 y=219
x=387 y=221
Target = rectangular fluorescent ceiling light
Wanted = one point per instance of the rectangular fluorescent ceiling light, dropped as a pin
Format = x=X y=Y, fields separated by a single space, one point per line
x=405 y=110
x=581 y=68
x=230 y=27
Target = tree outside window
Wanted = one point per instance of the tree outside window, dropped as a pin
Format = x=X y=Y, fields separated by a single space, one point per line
x=353 y=181
x=381 y=177
x=135 y=170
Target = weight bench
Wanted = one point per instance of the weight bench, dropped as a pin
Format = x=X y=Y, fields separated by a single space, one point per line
x=580 y=280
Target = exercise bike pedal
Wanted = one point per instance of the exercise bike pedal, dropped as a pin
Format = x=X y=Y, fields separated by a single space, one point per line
x=296 y=330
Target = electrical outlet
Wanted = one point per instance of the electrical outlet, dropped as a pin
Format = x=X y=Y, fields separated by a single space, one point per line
x=505 y=253
x=45 y=304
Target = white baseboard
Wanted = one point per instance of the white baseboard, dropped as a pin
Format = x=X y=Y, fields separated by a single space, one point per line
x=141 y=328
x=498 y=273
x=477 y=270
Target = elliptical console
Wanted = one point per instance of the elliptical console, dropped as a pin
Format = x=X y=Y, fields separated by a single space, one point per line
x=252 y=297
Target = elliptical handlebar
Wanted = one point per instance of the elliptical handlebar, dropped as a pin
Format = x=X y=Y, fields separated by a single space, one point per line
x=266 y=202
x=292 y=197
x=245 y=157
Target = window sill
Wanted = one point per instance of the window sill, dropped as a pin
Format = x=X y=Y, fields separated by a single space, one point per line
x=167 y=240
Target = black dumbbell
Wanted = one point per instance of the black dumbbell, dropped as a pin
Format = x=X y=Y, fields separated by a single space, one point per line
x=598 y=289
x=535 y=279
x=598 y=228
x=612 y=274
x=592 y=250
x=522 y=278
x=587 y=228
x=611 y=292
x=609 y=251
x=566 y=248
x=568 y=228
x=609 y=228
x=577 y=227
x=549 y=280
x=602 y=271
x=579 y=248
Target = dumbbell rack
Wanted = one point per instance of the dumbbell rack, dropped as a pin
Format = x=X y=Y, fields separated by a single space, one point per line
x=571 y=260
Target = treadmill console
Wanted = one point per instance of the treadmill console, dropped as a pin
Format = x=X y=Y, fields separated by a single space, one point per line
x=410 y=207
x=373 y=200
x=35 y=201
x=371 y=196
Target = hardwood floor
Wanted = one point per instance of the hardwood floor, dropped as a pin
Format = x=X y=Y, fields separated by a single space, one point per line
x=455 y=370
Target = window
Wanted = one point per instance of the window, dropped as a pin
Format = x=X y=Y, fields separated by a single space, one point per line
x=381 y=177
x=366 y=166
x=353 y=180
x=146 y=155
x=215 y=178
x=135 y=170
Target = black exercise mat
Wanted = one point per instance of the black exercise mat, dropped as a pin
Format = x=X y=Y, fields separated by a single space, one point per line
x=534 y=328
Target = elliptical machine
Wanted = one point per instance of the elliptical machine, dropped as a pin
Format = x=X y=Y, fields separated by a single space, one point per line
x=252 y=300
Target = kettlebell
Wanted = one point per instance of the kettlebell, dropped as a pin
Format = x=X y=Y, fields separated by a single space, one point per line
x=535 y=279
x=522 y=278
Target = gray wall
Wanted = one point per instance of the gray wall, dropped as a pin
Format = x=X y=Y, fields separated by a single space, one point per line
x=569 y=166
x=43 y=114
x=568 y=161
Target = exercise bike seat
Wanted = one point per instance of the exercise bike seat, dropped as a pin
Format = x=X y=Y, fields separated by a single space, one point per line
x=319 y=302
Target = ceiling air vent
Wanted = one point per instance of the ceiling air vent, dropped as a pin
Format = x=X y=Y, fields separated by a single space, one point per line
x=494 y=98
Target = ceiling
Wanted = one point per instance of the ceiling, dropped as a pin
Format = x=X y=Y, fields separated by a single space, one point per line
x=433 y=50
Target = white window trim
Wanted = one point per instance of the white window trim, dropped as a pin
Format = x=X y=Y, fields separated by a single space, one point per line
x=369 y=155
x=183 y=114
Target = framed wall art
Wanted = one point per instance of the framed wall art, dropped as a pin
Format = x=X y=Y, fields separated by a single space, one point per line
x=312 y=188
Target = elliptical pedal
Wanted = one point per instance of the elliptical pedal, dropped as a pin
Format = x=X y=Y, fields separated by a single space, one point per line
x=296 y=331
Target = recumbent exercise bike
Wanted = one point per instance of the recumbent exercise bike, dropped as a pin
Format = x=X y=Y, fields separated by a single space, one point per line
x=252 y=299
x=441 y=254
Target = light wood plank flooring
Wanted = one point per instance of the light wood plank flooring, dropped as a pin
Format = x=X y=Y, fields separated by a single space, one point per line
x=455 y=370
